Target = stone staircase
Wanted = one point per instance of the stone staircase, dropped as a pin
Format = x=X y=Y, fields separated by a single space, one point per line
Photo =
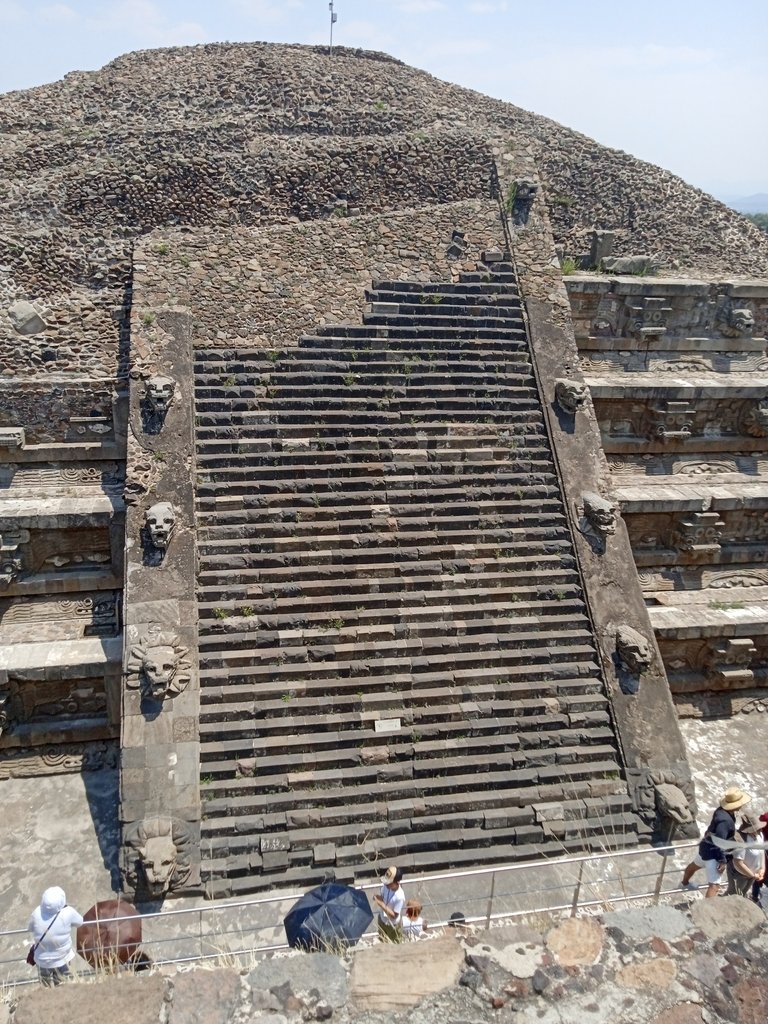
x=678 y=378
x=396 y=661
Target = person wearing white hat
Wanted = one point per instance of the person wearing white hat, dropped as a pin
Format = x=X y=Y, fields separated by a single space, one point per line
x=748 y=864
x=390 y=902
x=51 y=925
x=710 y=856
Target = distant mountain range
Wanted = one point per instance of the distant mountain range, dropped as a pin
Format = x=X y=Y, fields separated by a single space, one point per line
x=758 y=203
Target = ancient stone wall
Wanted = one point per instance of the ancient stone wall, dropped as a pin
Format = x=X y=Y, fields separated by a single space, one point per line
x=264 y=287
x=679 y=375
x=633 y=669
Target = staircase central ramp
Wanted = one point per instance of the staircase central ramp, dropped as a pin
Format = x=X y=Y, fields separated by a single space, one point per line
x=396 y=661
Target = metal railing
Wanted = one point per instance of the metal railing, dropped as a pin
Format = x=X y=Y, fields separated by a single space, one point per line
x=239 y=932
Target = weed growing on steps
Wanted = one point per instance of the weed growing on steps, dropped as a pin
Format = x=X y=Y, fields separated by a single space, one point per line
x=568 y=265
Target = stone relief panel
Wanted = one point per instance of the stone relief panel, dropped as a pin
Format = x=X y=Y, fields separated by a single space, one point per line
x=159 y=525
x=699 y=533
x=59 y=414
x=679 y=464
x=571 y=395
x=11 y=438
x=634 y=652
x=158 y=664
x=735 y=319
x=156 y=856
x=54 y=759
x=715 y=663
x=37 y=553
x=50 y=618
x=665 y=799
x=34 y=702
x=679 y=422
x=755 y=419
x=648 y=317
x=597 y=519
x=158 y=397
x=12 y=541
x=35 y=477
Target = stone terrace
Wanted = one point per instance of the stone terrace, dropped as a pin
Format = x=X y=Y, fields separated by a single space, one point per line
x=396 y=659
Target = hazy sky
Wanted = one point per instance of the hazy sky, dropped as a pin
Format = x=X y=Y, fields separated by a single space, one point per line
x=682 y=83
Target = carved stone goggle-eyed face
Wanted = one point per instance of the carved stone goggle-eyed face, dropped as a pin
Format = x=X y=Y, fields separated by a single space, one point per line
x=9 y=570
x=159 y=668
x=160 y=391
x=160 y=520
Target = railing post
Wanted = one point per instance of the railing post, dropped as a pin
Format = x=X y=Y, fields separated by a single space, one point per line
x=663 y=868
x=490 y=901
x=577 y=890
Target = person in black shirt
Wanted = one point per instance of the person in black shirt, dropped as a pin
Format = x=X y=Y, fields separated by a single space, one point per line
x=710 y=856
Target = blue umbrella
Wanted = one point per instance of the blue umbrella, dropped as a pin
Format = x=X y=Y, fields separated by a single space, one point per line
x=328 y=916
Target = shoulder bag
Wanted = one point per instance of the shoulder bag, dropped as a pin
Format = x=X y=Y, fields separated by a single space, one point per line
x=33 y=947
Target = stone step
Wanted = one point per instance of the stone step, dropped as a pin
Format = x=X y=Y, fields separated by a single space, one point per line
x=408 y=573
x=398 y=469
x=376 y=632
x=500 y=663
x=378 y=539
x=555 y=574
x=237 y=526
x=487 y=286
x=440 y=809
x=305 y=649
x=303 y=459
x=575 y=663
x=412 y=336
x=552 y=578
x=469 y=446
x=543 y=502
x=429 y=317
x=284 y=610
x=371 y=534
x=514 y=681
x=498 y=698
x=443 y=303
x=280 y=753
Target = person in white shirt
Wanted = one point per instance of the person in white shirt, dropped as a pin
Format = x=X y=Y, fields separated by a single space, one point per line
x=413 y=923
x=390 y=902
x=51 y=926
x=748 y=864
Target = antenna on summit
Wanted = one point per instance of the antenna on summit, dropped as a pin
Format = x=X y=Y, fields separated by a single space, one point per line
x=334 y=19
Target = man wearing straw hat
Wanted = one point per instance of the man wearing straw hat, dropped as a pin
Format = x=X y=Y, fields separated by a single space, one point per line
x=710 y=856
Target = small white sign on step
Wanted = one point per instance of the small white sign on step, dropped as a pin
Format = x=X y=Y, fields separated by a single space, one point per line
x=387 y=725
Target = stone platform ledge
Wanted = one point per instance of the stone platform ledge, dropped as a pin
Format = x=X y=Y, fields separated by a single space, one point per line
x=696 y=620
x=745 y=596
x=638 y=384
x=49 y=511
x=729 y=348
x=63 y=654
x=699 y=962
x=698 y=497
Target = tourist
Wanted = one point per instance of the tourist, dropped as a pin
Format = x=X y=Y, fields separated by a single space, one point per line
x=51 y=925
x=413 y=923
x=709 y=855
x=759 y=883
x=391 y=903
x=747 y=866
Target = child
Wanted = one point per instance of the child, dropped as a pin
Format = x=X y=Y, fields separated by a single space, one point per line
x=413 y=922
x=748 y=865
